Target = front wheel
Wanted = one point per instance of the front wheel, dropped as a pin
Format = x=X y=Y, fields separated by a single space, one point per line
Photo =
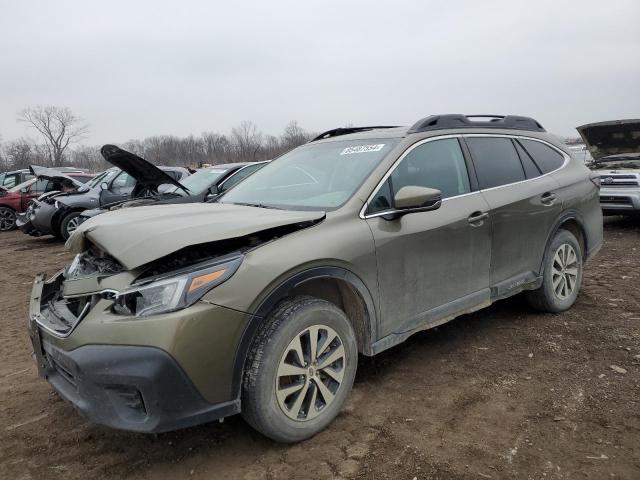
x=69 y=224
x=562 y=276
x=7 y=219
x=300 y=369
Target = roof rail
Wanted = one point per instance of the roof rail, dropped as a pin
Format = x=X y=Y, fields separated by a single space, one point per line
x=441 y=122
x=336 y=132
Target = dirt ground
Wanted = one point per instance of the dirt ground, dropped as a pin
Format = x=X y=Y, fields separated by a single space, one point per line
x=503 y=393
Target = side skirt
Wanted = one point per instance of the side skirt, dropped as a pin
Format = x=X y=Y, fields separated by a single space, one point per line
x=467 y=304
x=435 y=317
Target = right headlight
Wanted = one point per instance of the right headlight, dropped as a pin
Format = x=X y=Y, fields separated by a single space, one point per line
x=170 y=293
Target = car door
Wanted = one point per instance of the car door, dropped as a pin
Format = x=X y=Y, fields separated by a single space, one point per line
x=119 y=189
x=431 y=264
x=523 y=207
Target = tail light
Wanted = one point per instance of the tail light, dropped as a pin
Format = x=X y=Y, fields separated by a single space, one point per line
x=595 y=179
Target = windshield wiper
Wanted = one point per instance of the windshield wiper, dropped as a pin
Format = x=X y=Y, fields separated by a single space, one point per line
x=259 y=205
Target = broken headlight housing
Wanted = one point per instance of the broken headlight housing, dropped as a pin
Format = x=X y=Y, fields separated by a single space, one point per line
x=168 y=294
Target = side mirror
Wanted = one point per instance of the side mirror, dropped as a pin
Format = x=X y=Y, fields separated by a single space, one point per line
x=213 y=192
x=24 y=190
x=104 y=186
x=412 y=198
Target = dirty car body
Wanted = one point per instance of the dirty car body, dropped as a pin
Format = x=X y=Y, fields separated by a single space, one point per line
x=174 y=315
x=131 y=177
x=615 y=148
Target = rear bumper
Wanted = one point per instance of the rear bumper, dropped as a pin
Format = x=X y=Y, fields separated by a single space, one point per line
x=134 y=388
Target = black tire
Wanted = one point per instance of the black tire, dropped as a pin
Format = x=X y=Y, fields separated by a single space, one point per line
x=64 y=224
x=546 y=298
x=7 y=219
x=291 y=319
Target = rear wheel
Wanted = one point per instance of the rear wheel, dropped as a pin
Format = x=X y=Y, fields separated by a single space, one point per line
x=300 y=370
x=562 y=275
x=69 y=224
x=7 y=219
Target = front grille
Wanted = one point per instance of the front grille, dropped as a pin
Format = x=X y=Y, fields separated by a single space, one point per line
x=609 y=200
x=619 y=180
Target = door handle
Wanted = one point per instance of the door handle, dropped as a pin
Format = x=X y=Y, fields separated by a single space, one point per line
x=548 y=198
x=477 y=218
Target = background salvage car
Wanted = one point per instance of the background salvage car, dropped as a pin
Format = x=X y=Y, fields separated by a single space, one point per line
x=132 y=177
x=202 y=186
x=43 y=180
x=615 y=147
x=261 y=302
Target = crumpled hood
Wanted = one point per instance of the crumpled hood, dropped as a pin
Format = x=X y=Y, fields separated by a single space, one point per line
x=52 y=174
x=137 y=236
x=616 y=137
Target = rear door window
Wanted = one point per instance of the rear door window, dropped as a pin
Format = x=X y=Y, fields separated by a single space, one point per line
x=530 y=168
x=545 y=157
x=496 y=161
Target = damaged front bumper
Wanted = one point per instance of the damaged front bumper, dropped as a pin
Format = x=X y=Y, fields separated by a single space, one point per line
x=173 y=372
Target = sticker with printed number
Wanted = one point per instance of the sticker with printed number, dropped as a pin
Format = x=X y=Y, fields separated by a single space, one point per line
x=362 y=149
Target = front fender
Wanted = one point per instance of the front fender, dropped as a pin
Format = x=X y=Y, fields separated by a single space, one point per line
x=282 y=291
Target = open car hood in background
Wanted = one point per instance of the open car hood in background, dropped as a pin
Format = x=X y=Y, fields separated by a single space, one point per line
x=617 y=137
x=145 y=173
x=52 y=174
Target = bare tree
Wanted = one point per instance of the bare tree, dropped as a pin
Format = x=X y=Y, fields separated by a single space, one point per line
x=248 y=140
x=294 y=135
x=22 y=152
x=58 y=125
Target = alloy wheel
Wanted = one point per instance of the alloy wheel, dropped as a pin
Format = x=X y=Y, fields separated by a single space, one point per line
x=7 y=219
x=564 y=271
x=72 y=225
x=310 y=372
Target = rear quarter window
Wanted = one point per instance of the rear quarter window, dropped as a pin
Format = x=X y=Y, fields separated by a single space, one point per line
x=545 y=157
x=496 y=161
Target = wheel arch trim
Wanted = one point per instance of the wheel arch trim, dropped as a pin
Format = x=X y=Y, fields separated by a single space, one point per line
x=282 y=291
x=565 y=216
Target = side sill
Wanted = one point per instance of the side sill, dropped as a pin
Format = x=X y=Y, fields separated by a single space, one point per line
x=514 y=285
x=435 y=317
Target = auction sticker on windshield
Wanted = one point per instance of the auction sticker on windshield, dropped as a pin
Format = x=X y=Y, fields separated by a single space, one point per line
x=362 y=149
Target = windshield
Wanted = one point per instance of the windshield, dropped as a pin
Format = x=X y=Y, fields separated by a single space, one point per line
x=98 y=179
x=199 y=181
x=19 y=187
x=320 y=176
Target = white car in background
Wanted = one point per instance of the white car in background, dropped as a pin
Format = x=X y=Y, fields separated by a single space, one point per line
x=615 y=147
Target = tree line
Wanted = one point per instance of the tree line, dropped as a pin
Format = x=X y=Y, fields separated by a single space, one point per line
x=59 y=131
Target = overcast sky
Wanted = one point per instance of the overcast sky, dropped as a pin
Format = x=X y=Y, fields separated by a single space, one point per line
x=138 y=68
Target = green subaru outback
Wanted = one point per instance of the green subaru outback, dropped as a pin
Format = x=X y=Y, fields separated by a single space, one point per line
x=261 y=303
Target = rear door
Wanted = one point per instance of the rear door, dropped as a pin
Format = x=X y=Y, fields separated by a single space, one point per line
x=435 y=263
x=524 y=205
